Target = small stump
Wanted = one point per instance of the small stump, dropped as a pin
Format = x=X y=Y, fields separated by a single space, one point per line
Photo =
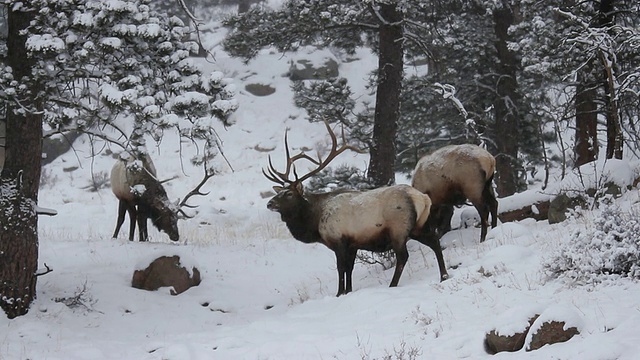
x=166 y=271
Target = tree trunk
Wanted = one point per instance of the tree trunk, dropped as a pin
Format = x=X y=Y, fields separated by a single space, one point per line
x=505 y=104
x=586 y=149
x=614 y=128
x=387 y=111
x=243 y=6
x=20 y=179
x=615 y=136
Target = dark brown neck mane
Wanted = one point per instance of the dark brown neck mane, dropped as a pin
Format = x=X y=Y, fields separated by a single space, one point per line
x=302 y=221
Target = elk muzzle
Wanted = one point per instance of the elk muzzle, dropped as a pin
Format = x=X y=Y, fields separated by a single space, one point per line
x=272 y=205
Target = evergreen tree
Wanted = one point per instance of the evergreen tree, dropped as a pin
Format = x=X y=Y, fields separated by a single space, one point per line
x=580 y=62
x=88 y=65
x=469 y=47
x=346 y=25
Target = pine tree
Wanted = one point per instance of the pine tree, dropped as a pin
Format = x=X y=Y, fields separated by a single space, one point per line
x=345 y=25
x=83 y=65
x=580 y=63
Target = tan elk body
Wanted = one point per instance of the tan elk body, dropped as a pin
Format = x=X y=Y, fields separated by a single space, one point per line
x=142 y=196
x=347 y=221
x=394 y=211
x=455 y=173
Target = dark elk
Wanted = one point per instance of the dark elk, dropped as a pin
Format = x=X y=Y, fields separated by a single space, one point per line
x=142 y=196
x=453 y=174
x=345 y=221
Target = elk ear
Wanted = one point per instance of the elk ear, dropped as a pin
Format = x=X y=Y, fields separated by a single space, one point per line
x=277 y=189
x=299 y=188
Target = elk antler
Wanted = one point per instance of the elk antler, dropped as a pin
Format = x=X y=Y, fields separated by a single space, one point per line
x=283 y=178
x=196 y=191
x=169 y=179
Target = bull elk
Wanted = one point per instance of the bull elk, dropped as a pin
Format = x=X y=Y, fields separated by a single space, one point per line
x=453 y=174
x=346 y=221
x=142 y=196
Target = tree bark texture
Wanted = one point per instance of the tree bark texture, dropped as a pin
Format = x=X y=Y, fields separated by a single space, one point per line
x=20 y=179
x=507 y=117
x=609 y=66
x=387 y=110
x=586 y=148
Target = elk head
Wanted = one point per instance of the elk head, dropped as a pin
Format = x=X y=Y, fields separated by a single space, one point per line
x=164 y=214
x=155 y=205
x=289 y=196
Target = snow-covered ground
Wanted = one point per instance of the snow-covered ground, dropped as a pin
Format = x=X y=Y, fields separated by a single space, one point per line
x=265 y=295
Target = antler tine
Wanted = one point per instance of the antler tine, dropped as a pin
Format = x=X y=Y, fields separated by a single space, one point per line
x=271 y=178
x=335 y=151
x=273 y=174
x=184 y=214
x=283 y=177
x=196 y=191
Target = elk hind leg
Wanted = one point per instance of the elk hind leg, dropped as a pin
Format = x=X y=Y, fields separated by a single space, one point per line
x=122 y=209
x=342 y=269
x=489 y=199
x=402 y=255
x=350 y=262
x=133 y=213
x=142 y=216
x=483 y=211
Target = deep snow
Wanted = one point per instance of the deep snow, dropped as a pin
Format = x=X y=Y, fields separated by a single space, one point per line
x=265 y=295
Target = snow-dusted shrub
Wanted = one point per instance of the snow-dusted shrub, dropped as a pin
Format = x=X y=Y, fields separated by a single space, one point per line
x=607 y=249
x=342 y=177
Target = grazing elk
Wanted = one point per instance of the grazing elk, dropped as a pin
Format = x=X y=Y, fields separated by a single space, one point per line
x=345 y=221
x=142 y=195
x=453 y=174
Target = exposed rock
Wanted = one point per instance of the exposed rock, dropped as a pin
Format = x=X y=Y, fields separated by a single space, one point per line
x=551 y=332
x=53 y=147
x=556 y=323
x=610 y=188
x=304 y=70
x=70 y=168
x=166 y=271
x=264 y=148
x=494 y=342
x=259 y=89
x=560 y=205
x=267 y=194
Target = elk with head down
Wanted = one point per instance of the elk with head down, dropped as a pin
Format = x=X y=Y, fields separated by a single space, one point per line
x=142 y=196
x=345 y=221
x=453 y=174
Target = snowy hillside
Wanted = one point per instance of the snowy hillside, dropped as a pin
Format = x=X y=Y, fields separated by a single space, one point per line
x=265 y=295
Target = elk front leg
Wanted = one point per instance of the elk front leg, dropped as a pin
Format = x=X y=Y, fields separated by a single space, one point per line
x=345 y=259
x=434 y=244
